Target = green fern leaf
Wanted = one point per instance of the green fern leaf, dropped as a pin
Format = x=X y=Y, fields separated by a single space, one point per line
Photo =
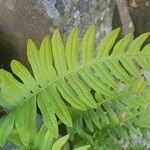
x=59 y=53
x=60 y=79
x=59 y=144
x=43 y=139
x=107 y=44
x=33 y=57
x=47 y=112
x=6 y=125
x=86 y=147
x=72 y=49
x=25 y=120
x=88 y=45
x=24 y=75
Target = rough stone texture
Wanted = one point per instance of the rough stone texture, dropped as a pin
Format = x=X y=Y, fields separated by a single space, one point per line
x=140 y=13
x=126 y=21
x=24 y=19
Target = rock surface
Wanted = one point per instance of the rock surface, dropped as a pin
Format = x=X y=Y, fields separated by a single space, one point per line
x=140 y=13
x=21 y=20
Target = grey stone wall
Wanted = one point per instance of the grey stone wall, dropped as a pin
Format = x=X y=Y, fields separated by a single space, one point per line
x=24 y=19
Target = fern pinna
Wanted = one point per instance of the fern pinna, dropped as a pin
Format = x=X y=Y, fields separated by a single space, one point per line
x=108 y=89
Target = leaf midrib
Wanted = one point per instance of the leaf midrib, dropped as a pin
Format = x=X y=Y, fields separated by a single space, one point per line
x=75 y=70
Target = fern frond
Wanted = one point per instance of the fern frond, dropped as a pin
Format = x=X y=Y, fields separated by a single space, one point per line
x=116 y=119
x=6 y=125
x=60 y=78
x=43 y=139
x=25 y=116
x=130 y=103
